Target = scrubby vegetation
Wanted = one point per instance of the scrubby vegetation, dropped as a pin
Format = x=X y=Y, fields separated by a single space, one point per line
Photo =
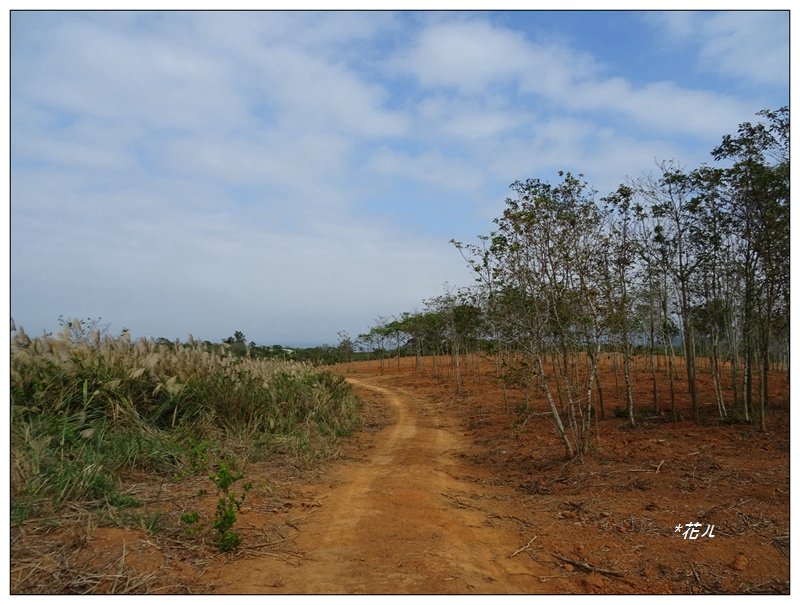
x=86 y=407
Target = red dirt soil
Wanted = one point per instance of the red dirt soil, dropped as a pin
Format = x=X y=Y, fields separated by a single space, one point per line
x=469 y=493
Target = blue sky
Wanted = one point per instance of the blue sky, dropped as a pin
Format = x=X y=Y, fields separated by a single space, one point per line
x=295 y=174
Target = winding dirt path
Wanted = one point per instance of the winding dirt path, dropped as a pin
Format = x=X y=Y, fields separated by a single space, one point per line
x=411 y=518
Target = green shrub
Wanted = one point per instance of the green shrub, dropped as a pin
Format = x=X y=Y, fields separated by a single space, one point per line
x=227 y=507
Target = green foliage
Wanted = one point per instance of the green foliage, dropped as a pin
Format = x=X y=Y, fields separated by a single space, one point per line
x=191 y=523
x=190 y=518
x=197 y=453
x=223 y=478
x=228 y=541
x=228 y=505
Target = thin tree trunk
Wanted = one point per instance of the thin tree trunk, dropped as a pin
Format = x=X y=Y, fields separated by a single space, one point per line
x=715 y=374
x=457 y=361
x=600 y=399
x=626 y=366
x=747 y=385
x=689 y=352
x=570 y=452
x=733 y=346
x=671 y=373
x=764 y=386
x=651 y=346
x=591 y=379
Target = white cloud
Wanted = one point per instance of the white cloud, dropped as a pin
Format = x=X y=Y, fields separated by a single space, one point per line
x=431 y=166
x=661 y=106
x=311 y=91
x=281 y=161
x=469 y=55
x=473 y=56
x=751 y=46
x=90 y=70
x=465 y=120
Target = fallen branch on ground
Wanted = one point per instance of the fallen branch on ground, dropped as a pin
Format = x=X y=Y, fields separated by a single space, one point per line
x=587 y=567
x=782 y=544
x=513 y=518
x=519 y=550
x=462 y=504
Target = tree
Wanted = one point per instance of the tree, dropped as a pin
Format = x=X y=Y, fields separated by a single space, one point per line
x=378 y=338
x=541 y=270
x=711 y=238
x=689 y=261
x=621 y=248
x=757 y=186
x=458 y=321
x=674 y=207
x=238 y=343
x=346 y=347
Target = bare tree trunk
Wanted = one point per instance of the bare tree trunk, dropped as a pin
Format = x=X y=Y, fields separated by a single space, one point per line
x=600 y=396
x=733 y=346
x=715 y=373
x=556 y=369
x=747 y=384
x=747 y=337
x=626 y=365
x=591 y=379
x=670 y=372
x=651 y=346
x=457 y=365
x=764 y=383
x=499 y=372
x=689 y=354
x=594 y=357
x=570 y=452
x=570 y=391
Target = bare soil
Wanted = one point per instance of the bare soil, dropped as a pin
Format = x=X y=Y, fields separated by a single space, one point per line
x=461 y=493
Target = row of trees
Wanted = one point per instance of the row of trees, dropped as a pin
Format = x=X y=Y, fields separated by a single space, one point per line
x=451 y=325
x=319 y=355
x=688 y=263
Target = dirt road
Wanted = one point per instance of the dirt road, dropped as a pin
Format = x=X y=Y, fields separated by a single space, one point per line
x=411 y=517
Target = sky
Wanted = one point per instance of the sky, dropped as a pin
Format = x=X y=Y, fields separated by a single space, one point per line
x=293 y=174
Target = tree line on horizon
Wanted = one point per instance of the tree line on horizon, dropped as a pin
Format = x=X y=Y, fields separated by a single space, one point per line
x=690 y=264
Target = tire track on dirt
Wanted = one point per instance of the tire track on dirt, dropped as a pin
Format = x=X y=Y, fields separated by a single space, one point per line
x=401 y=522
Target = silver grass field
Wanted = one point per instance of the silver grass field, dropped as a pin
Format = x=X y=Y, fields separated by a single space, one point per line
x=85 y=409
